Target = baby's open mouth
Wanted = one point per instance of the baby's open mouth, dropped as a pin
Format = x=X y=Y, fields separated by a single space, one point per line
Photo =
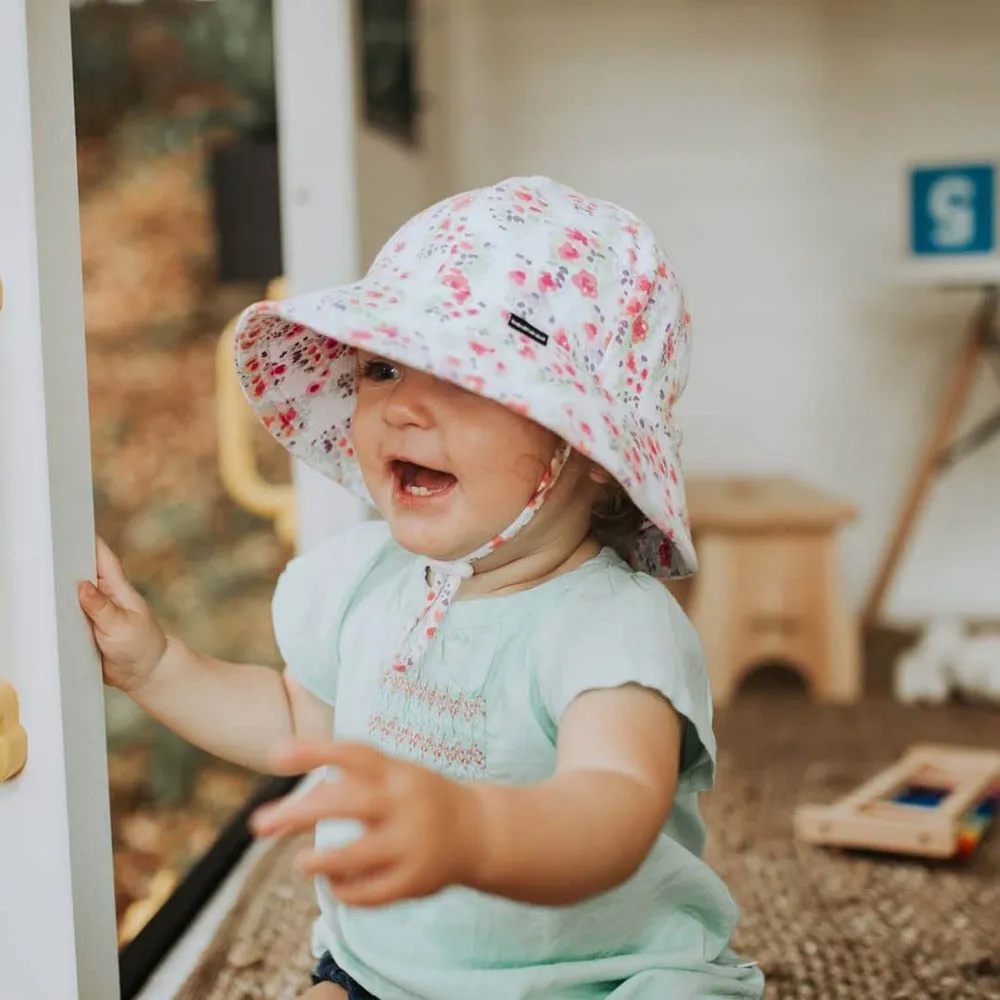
x=416 y=480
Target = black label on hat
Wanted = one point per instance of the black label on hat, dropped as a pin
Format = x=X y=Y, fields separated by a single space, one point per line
x=523 y=326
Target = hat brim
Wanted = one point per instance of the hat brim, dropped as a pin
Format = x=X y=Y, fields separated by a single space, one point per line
x=295 y=360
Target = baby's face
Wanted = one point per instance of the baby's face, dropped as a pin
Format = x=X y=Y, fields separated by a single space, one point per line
x=449 y=469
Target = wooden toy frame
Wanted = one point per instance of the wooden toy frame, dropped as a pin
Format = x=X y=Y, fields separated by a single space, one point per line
x=869 y=818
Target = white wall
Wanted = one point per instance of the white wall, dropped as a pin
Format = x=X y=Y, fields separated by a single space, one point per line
x=765 y=142
x=392 y=186
x=395 y=179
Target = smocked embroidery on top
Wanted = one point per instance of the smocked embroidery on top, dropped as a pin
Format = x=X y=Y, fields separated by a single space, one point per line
x=459 y=706
x=464 y=760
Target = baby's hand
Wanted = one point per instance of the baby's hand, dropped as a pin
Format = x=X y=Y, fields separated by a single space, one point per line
x=421 y=829
x=130 y=638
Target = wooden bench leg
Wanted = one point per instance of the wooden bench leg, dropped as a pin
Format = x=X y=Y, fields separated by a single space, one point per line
x=741 y=581
x=711 y=612
x=838 y=675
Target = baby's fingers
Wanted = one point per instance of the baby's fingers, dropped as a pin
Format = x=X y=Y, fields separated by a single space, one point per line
x=372 y=853
x=380 y=888
x=343 y=799
x=113 y=580
x=101 y=609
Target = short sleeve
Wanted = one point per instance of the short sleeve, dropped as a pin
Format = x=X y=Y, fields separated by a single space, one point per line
x=313 y=594
x=627 y=628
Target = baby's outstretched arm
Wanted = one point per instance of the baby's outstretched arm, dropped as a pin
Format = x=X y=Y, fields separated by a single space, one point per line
x=236 y=711
x=583 y=831
x=591 y=825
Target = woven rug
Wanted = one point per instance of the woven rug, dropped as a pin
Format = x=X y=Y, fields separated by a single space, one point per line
x=824 y=925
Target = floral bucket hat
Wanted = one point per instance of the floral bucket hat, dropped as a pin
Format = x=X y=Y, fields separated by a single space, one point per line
x=559 y=306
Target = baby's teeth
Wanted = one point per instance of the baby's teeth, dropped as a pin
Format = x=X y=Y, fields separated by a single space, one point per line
x=418 y=491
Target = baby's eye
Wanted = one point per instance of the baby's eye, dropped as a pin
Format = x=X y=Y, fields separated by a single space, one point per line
x=378 y=371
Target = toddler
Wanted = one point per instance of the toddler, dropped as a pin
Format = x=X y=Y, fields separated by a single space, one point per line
x=513 y=713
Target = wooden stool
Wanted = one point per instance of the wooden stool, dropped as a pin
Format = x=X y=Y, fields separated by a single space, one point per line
x=768 y=588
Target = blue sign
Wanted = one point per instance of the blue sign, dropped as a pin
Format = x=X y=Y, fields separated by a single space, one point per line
x=953 y=210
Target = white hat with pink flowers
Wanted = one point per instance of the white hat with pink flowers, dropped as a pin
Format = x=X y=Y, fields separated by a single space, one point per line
x=561 y=307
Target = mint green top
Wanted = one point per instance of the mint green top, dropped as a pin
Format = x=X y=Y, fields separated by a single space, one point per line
x=485 y=702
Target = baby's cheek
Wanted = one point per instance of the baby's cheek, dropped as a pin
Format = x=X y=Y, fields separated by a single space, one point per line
x=363 y=440
x=503 y=492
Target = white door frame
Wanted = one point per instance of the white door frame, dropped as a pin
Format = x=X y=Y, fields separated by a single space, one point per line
x=57 y=920
x=317 y=120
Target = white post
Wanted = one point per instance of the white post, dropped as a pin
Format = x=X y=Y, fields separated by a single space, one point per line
x=313 y=55
x=57 y=919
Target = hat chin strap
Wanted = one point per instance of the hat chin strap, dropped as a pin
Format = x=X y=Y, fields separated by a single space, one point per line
x=462 y=568
x=446 y=576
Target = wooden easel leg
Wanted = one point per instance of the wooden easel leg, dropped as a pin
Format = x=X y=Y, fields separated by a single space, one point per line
x=960 y=383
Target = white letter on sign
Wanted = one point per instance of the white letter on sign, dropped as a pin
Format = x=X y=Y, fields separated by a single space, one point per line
x=950 y=202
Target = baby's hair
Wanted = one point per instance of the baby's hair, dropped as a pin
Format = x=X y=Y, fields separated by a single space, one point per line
x=615 y=520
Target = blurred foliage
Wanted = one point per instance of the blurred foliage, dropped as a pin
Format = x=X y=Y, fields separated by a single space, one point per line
x=161 y=73
x=158 y=85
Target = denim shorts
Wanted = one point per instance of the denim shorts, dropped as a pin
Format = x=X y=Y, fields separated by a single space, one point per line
x=327 y=971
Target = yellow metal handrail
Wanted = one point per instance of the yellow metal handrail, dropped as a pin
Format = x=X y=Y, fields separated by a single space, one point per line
x=237 y=463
